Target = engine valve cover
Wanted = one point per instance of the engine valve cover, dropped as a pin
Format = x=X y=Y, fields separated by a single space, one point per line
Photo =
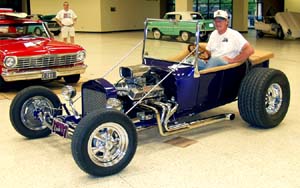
x=138 y=92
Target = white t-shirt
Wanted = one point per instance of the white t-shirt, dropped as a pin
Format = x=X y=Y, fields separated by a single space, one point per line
x=228 y=44
x=66 y=17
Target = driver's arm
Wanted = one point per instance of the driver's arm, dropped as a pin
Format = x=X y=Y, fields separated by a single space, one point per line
x=246 y=51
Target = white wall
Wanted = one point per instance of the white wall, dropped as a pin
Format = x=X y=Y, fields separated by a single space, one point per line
x=292 y=5
x=88 y=12
x=128 y=14
x=96 y=15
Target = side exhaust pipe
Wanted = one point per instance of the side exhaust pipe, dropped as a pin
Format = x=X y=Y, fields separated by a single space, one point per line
x=185 y=126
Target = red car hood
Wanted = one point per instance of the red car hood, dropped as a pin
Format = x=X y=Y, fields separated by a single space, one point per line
x=38 y=46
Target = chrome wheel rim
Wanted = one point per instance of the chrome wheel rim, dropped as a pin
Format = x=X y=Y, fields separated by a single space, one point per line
x=107 y=145
x=185 y=36
x=156 y=34
x=273 y=99
x=32 y=108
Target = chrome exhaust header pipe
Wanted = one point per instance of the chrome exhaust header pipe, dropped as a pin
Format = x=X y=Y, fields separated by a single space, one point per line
x=185 y=126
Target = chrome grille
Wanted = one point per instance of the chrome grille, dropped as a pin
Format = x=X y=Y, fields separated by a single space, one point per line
x=92 y=100
x=45 y=61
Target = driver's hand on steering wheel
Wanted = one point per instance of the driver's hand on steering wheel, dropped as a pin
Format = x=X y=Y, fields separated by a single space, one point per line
x=202 y=53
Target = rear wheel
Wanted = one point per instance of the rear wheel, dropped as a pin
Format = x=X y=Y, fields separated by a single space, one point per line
x=72 y=78
x=264 y=97
x=104 y=142
x=27 y=105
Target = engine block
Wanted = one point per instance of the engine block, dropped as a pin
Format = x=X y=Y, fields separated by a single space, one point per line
x=138 y=92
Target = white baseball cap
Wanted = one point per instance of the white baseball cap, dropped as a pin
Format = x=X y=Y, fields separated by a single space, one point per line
x=221 y=14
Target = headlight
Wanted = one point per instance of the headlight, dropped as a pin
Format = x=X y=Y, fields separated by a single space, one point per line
x=210 y=25
x=10 y=61
x=68 y=92
x=80 y=56
x=113 y=103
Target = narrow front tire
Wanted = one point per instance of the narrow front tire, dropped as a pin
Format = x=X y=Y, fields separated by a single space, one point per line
x=104 y=142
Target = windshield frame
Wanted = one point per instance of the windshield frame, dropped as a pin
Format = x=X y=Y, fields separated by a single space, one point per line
x=196 y=42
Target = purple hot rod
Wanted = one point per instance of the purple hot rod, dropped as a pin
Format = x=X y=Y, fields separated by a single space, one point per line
x=164 y=91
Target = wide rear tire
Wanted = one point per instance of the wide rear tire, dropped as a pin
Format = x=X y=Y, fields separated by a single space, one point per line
x=25 y=107
x=104 y=142
x=264 y=97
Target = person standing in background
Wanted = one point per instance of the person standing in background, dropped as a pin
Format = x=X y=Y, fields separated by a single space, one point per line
x=67 y=18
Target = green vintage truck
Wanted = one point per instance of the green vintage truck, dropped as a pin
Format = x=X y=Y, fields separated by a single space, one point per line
x=177 y=24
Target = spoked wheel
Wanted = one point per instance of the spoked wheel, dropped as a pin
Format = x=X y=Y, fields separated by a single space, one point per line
x=104 y=142
x=264 y=97
x=185 y=36
x=26 y=107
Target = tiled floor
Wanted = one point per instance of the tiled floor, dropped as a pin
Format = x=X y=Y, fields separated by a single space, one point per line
x=227 y=154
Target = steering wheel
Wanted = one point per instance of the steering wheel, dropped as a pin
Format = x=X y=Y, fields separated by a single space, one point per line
x=203 y=54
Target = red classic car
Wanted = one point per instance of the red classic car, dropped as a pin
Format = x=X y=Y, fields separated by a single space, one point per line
x=28 y=51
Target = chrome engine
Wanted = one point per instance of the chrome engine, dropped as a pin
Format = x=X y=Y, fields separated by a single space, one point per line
x=137 y=83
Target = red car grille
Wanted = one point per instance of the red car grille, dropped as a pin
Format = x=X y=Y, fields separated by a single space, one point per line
x=45 y=61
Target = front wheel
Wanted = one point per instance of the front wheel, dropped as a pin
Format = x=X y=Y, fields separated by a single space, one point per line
x=104 y=142
x=264 y=97
x=185 y=36
x=156 y=34
x=27 y=105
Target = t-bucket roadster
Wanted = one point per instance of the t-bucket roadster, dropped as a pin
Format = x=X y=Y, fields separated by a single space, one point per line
x=164 y=91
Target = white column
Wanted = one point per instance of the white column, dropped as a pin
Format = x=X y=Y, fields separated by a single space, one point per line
x=183 y=5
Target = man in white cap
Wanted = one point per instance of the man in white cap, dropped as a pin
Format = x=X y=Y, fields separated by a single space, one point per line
x=225 y=45
x=66 y=18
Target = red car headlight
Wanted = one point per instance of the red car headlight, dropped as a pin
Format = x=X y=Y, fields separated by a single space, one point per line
x=10 y=61
x=80 y=56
